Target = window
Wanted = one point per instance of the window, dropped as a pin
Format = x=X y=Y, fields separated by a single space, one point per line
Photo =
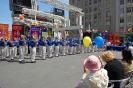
x=107 y=22
x=90 y=9
x=122 y=11
x=86 y=10
x=86 y=18
x=128 y=19
x=95 y=1
x=86 y=3
x=86 y=24
x=72 y=1
x=121 y=20
x=99 y=7
x=99 y=23
x=95 y=16
x=95 y=8
x=128 y=9
x=89 y=17
x=90 y=2
x=72 y=19
x=108 y=14
x=99 y=1
x=132 y=9
x=121 y=2
x=107 y=5
x=95 y=23
x=128 y=1
x=99 y=15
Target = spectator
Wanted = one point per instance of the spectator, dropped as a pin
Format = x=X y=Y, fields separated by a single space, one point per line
x=94 y=76
x=114 y=67
x=127 y=60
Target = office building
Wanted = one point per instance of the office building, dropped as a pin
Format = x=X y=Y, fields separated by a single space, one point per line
x=104 y=15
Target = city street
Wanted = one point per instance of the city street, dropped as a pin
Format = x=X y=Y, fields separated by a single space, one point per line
x=57 y=72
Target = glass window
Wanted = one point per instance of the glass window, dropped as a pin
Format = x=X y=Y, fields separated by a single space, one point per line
x=107 y=5
x=95 y=8
x=90 y=9
x=99 y=7
x=128 y=1
x=86 y=18
x=121 y=20
x=99 y=1
x=128 y=19
x=72 y=1
x=95 y=16
x=86 y=3
x=107 y=13
x=86 y=10
x=107 y=22
x=99 y=15
x=95 y=1
x=86 y=24
x=128 y=9
x=95 y=23
x=121 y=2
x=90 y=2
x=72 y=19
x=89 y=17
x=122 y=11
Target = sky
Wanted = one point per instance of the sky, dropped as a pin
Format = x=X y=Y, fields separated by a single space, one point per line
x=5 y=13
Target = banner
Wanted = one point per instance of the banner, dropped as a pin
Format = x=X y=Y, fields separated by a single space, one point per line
x=17 y=31
x=35 y=31
x=4 y=30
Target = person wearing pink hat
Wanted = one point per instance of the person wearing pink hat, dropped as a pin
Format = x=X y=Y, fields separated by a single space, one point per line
x=94 y=76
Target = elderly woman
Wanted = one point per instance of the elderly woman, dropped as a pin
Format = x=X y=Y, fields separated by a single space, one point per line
x=127 y=60
x=94 y=76
x=114 y=67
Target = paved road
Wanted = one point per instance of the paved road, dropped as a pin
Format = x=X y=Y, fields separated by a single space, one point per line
x=58 y=72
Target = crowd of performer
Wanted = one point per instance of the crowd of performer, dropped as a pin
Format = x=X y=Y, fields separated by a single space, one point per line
x=48 y=47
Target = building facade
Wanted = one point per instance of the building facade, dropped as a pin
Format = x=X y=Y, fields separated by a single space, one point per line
x=104 y=15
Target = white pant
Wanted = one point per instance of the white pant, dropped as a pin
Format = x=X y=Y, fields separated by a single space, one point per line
x=71 y=50
x=40 y=50
x=26 y=49
x=56 y=51
x=33 y=53
x=7 y=51
x=15 y=51
x=50 y=50
x=43 y=54
x=11 y=53
x=89 y=49
x=82 y=48
x=93 y=48
x=63 y=50
x=67 y=49
x=78 y=48
x=3 y=53
x=74 y=50
x=21 y=53
x=60 y=49
x=85 y=49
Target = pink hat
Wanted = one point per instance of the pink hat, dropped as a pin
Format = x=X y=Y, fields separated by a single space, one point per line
x=92 y=63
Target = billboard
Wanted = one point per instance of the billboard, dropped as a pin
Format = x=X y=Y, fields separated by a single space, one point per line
x=35 y=31
x=59 y=12
x=26 y=3
x=17 y=31
x=4 y=30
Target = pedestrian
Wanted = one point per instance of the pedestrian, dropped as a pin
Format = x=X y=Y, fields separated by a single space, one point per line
x=114 y=67
x=33 y=44
x=94 y=76
x=63 y=45
x=2 y=48
x=26 y=46
x=15 y=46
x=21 y=43
x=11 y=49
x=50 y=47
x=56 y=44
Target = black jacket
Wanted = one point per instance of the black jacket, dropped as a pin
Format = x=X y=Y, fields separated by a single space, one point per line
x=115 y=71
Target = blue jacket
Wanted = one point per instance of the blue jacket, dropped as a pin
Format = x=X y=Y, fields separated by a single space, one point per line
x=15 y=43
x=93 y=43
x=2 y=43
x=9 y=44
x=21 y=42
x=71 y=44
x=49 y=42
x=32 y=43
x=62 y=43
x=56 y=43
x=42 y=43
